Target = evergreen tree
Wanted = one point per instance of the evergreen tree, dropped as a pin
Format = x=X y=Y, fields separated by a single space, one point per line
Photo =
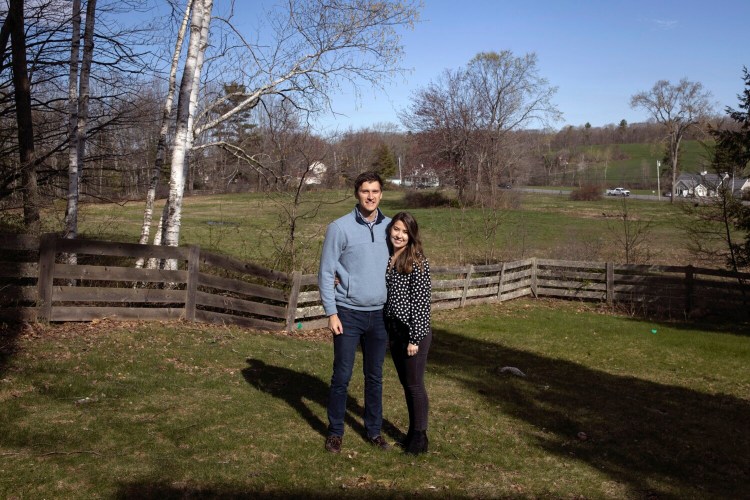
x=731 y=155
x=384 y=162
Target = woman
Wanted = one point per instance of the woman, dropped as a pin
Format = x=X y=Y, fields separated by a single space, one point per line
x=407 y=319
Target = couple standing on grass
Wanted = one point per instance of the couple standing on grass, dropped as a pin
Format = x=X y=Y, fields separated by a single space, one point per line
x=374 y=283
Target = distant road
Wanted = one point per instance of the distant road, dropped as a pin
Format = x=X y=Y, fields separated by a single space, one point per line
x=649 y=197
x=566 y=192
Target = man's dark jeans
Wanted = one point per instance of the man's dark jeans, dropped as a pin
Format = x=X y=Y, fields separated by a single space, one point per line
x=367 y=329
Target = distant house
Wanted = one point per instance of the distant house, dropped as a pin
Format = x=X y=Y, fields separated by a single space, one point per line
x=420 y=178
x=740 y=186
x=704 y=184
x=316 y=173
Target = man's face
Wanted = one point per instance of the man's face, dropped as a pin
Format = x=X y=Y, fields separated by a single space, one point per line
x=369 y=195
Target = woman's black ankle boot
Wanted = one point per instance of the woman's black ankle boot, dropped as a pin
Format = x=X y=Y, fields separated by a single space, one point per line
x=409 y=436
x=418 y=443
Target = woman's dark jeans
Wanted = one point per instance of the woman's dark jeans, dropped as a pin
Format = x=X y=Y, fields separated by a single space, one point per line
x=410 y=371
x=366 y=329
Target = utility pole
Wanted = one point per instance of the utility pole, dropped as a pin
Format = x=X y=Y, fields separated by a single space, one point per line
x=658 y=182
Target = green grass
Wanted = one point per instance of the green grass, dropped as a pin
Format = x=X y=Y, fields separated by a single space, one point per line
x=174 y=410
x=538 y=225
x=639 y=167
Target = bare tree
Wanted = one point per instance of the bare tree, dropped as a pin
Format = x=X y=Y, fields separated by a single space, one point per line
x=444 y=119
x=78 y=88
x=115 y=68
x=317 y=45
x=161 y=145
x=678 y=108
x=186 y=106
x=295 y=249
x=22 y=91
x=71 y=211
x=472 y=111
x=632 y=234
x=510 y=95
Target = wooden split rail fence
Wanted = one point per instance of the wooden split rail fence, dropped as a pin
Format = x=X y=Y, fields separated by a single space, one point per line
x=38 y=284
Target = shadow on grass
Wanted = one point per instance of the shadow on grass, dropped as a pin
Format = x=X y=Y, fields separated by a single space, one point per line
x=297 y=388
x=9 y=333
x=157 y=490
x=644 y=434
x=704 y=319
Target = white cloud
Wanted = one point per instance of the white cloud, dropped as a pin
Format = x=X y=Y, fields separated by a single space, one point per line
x=664 y=24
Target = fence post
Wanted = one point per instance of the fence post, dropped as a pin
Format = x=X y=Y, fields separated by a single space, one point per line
x=291 y=304
x=689 y=276
x=610 y=269
x=194 y=265
x=47 y=252
x=533 y=277
x=500 y=283
x=464 y=294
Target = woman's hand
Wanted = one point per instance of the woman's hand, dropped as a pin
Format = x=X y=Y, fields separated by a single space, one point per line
x=412 y=349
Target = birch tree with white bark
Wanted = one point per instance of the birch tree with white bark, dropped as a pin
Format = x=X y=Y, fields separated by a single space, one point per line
x=317 y=46
x=186 y=106
x=161 y=145
x=78 y=103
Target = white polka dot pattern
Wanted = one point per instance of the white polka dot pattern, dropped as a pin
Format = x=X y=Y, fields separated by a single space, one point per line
x=409 y=299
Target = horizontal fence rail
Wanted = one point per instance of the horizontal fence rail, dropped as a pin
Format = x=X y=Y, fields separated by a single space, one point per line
x=40 y=282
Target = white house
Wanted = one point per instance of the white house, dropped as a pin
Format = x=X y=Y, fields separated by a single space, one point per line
x=705 y=184
x=315 y=173
x=421 y=178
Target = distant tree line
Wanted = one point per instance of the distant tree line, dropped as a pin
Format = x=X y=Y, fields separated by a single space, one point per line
x=489 y=124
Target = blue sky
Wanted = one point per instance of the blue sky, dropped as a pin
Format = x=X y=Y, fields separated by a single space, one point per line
x=598 y=53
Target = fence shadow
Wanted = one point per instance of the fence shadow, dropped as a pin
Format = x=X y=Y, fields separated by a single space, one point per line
x=639 y=433
x=9 y=333
x=299 y=388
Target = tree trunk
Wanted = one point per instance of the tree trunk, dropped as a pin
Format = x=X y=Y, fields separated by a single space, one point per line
x=675 y=148
x=22 y=94
x=199 y=25
x=84 y=84
x=148 y=212
x=71 y=209
x=78 y=93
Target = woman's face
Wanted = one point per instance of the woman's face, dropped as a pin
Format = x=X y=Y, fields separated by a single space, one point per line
x=399 y=236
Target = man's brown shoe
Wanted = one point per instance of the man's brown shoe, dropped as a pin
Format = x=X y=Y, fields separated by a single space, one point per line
x=333 y=444
x=380 y=443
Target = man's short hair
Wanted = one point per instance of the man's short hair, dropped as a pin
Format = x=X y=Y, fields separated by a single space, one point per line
x=367 y=177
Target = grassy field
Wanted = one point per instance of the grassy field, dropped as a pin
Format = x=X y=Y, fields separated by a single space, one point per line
x=639 y=166
x=248 y=226
x=611 y=407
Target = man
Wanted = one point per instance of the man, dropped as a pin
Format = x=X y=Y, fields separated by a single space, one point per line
x=352 y=288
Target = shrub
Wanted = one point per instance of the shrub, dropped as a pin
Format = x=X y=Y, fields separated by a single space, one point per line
x=587 y=192
x=428 y=199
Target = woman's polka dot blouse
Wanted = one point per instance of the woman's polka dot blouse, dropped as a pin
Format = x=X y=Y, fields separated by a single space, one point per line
x=409 y=299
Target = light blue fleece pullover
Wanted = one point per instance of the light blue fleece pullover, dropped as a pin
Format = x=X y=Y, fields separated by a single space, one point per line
x=358 y=254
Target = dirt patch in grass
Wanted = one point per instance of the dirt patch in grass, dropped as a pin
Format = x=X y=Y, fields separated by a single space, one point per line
x=96 y=328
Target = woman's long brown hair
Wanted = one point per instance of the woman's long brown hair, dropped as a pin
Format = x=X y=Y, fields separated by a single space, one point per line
x=412 y=254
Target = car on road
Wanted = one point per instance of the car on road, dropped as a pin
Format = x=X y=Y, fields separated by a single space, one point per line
x=618 y=191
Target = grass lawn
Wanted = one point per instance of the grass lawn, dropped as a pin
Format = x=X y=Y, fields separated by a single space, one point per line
x=639 y=166
x=248 y=226
x=611 y=407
